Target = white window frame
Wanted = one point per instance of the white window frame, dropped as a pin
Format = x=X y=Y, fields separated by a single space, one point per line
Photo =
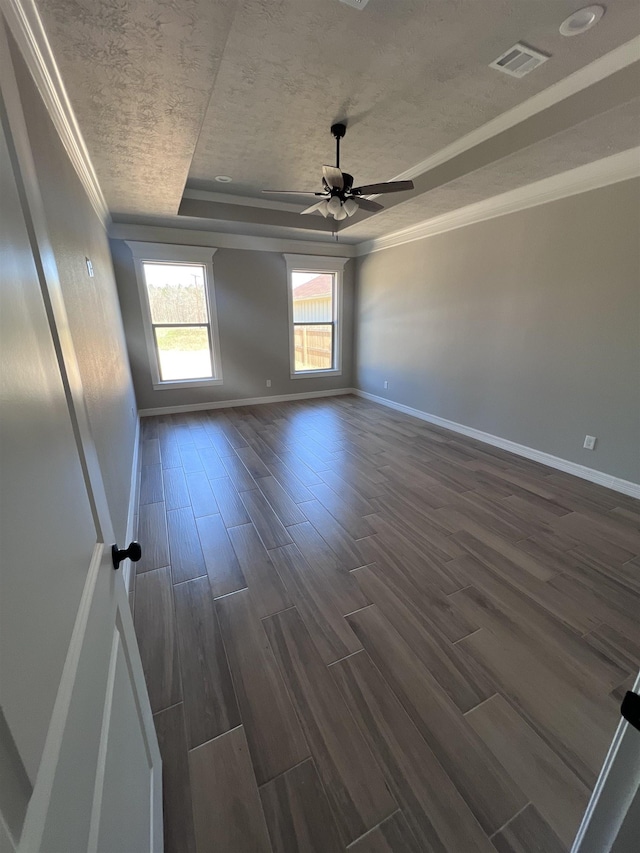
x=169 y=253
x=319 y=264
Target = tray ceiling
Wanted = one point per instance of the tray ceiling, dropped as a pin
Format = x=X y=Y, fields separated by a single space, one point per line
x=171 y=93
x=582 y=144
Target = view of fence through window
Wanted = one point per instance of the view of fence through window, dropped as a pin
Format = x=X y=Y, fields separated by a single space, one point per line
x=313 y=320
x=180 y=320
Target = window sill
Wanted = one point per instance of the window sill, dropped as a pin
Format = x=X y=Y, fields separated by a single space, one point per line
x=309 y=374
x=185 y=383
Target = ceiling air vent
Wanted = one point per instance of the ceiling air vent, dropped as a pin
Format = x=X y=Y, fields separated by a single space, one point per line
x=518 y=60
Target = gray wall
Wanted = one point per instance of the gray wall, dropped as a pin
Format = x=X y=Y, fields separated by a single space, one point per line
x=92 y=303
x=251 y=299
x=526 y=326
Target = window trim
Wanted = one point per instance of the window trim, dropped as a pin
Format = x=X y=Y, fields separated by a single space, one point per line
x=170 y=253
x=319 y=264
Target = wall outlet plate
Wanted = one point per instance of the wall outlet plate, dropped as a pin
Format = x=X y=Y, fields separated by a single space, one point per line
x=89 y=267
x=589 y=442
x=386 y=384
x=268 y=383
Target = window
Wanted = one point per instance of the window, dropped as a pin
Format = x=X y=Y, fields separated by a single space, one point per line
x=315 y=307
x=178 y=307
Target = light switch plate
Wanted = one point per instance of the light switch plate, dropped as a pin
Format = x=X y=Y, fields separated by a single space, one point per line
x=589 y=442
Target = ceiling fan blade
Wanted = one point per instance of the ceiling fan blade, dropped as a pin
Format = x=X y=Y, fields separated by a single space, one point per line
x=333 y=177
x=314 y=207
x=291 y=192
x=389 y=187
x=366 y=204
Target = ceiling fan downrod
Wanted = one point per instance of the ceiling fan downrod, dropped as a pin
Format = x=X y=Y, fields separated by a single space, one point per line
x=338 y=131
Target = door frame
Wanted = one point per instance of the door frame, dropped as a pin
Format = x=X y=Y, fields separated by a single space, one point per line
x=612 y=797
x=50 y=287
x=12 y=117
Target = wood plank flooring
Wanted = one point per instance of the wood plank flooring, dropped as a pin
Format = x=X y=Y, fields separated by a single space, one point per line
x=362 y=631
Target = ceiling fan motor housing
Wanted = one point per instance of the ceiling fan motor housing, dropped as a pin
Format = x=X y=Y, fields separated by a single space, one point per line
x=346 y=189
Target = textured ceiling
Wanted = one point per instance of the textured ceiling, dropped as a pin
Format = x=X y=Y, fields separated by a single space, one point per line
x=409 y=76
x=139 y=74
x=173 y=90
x=588 y=141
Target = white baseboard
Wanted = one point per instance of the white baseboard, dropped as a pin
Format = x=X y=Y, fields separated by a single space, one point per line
x=247 y=401
x=127 y=568
x=616 y=483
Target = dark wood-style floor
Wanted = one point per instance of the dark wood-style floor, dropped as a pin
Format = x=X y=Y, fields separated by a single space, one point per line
x=359 y=630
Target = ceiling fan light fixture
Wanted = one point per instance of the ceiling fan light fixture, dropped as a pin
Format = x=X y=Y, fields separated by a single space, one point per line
x=333 y=205
x=350 y=206
x=340 y=197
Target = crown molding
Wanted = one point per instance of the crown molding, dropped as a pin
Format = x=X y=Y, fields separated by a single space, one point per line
x=186 y=237
x=590 y=74
x=28 y=31
x=592 y=176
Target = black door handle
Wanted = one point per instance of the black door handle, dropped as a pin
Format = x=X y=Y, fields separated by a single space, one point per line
x=630 y=709
x=133 y=553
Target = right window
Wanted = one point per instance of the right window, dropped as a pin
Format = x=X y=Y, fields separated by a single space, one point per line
x=315 y=296
x=313 y=320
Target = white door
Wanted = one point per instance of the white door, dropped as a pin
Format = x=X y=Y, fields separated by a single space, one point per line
x=79 y=760
x=612 y=821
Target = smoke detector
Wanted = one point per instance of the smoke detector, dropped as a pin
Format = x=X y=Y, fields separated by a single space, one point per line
x=518 y=60
x=356 y=4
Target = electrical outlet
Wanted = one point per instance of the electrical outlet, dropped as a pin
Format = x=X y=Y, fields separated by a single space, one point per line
x=268 y=383
x=386 y=384
x=589 y=442
x=89 y=267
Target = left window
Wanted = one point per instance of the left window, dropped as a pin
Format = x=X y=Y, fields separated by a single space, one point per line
x=179 y=313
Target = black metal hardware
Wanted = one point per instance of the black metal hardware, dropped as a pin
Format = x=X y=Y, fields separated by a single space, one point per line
x=133 y=553
x=630 y=709
x=338 y=131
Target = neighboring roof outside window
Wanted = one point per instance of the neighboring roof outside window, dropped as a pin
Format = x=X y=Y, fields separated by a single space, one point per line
x=316 y=288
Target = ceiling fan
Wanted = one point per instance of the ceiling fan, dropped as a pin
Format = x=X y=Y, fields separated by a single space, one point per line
x=340 y=198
